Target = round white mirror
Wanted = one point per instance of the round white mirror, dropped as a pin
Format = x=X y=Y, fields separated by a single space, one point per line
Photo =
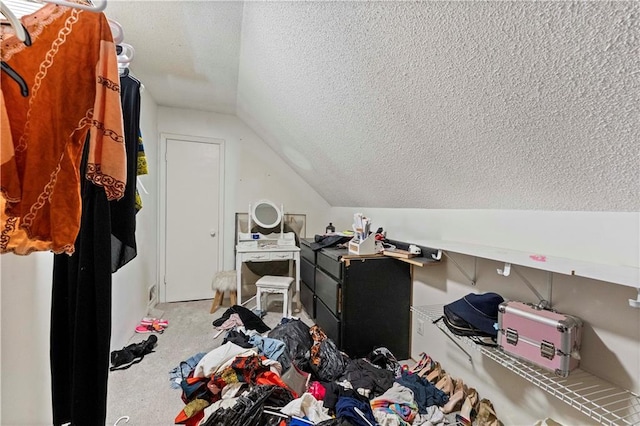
x=266 y=214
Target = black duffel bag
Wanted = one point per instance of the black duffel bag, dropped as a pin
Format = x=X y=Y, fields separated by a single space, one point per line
x=474 y=316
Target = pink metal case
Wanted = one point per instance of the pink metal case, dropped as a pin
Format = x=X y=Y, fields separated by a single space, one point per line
x=548 y=339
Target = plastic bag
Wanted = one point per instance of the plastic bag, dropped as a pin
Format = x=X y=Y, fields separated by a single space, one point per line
x=332 y=362
x=295 y=335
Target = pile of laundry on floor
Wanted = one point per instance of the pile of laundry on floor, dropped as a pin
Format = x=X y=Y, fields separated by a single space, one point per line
x=295 y=375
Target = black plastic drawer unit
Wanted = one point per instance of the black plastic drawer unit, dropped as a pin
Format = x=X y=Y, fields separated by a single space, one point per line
x=359 y=302
x=308 y=300
x=327 y=290
x=329 y=261
x=307 y=253
x=328 y=322
x=308 y=274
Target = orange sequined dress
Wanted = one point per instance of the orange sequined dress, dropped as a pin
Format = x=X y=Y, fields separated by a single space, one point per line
x=72 y=76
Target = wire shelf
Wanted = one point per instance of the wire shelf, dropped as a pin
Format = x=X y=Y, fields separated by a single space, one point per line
x=602 y=401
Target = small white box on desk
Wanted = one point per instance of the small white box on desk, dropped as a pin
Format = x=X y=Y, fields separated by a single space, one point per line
x=367 y=246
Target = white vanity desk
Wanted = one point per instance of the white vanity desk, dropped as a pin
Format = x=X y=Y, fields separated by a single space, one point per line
x=269 y=254
x=272 y=246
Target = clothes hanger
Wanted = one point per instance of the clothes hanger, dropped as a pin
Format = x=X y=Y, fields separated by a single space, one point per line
x=23 y=35
x=21 y=32
x=96 y=6
x=24 y=90
x=125 y=53
x=116 y=31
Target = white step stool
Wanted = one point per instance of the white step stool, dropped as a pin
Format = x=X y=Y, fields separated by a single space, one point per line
x=273 y=284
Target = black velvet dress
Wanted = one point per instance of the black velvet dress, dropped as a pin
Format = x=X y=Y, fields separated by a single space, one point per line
x=81 y=294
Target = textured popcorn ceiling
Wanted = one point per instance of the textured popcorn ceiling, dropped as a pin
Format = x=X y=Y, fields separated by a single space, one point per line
x=186 y=52
x=457 y=105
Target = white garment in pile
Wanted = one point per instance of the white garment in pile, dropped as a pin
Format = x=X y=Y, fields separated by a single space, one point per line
x=210 y=363
x=308 y=406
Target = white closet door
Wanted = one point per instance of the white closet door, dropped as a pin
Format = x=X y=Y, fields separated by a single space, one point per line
x=192 y=219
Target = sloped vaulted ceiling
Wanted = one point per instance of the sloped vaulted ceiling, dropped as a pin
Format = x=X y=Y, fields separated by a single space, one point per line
x=186 y=52
x=462 y=105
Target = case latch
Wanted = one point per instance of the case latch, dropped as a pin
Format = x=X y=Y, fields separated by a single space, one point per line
x=547 y=349
x=512 y=336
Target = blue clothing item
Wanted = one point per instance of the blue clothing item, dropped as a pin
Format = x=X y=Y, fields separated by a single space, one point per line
x=297 y=422
x=177 y=374
x=259 y=313
x=345 y=409
x=425 y=393
x=271 y=348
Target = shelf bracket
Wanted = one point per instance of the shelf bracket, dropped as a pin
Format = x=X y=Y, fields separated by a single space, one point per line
x=475 y=263
x=457 y=344
x=543 y=302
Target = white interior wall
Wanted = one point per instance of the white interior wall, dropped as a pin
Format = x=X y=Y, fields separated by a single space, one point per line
x=601 y=237
x=252 y=171
x=611 y=343
x=26 y=319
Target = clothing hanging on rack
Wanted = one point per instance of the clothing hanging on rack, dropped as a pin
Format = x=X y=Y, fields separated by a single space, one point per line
x=81 y=315
x=6 y=141
x=123 y=211
x=142 y=169
x=72 y=112
x=39 y=182
x=82 y=283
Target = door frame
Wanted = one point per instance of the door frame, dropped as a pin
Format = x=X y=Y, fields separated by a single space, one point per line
x=162 y=208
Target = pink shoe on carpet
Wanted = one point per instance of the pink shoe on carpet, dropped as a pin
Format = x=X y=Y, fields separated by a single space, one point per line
x=150 y=328
x=150 y=321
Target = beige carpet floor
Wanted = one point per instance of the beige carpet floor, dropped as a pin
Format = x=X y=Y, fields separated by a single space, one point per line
x=143 y=391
